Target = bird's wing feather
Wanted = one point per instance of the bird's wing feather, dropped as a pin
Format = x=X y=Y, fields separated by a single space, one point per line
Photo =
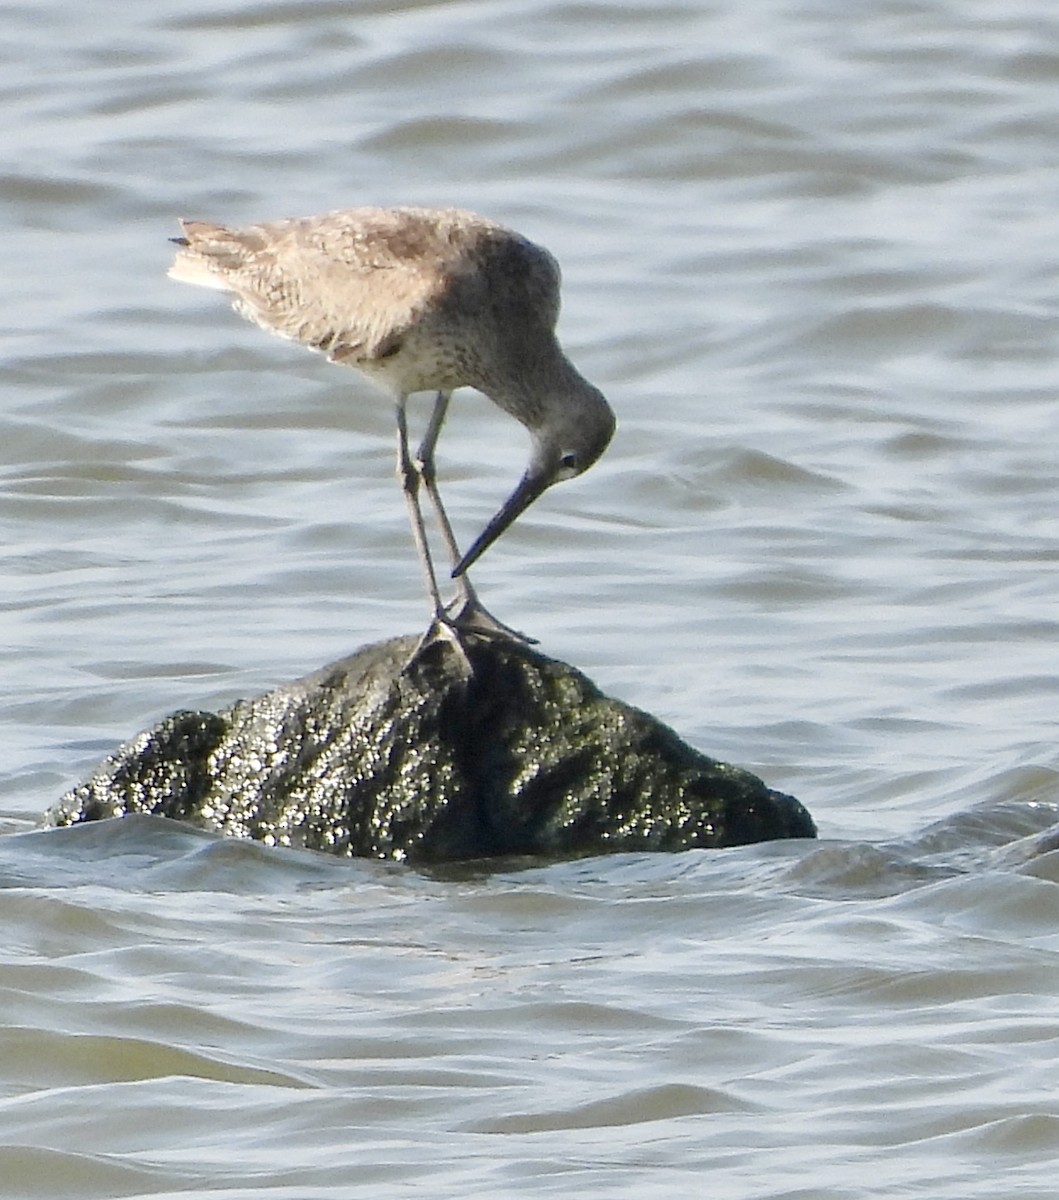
x=350 y=283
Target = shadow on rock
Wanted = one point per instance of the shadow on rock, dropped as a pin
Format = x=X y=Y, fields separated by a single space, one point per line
x=375 y=756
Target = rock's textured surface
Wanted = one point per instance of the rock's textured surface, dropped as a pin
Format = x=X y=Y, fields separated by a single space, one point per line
x=375 y=756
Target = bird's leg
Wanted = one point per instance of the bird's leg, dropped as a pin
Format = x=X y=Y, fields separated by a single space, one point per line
x=409 y=475
x=424 y=462
x=441 y=628
x=466 y=609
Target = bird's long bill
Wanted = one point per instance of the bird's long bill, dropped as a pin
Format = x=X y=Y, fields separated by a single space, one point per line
x=530 y=487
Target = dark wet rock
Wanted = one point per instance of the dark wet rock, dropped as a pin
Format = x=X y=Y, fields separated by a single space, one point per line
x=371 y=756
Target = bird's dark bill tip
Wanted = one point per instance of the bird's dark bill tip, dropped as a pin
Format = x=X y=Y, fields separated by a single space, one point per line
x=478 y=547
x=530 y=487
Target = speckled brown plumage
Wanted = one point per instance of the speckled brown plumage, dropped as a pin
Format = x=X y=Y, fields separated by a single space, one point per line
x=419 y=299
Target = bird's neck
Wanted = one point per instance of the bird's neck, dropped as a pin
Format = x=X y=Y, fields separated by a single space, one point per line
x=532 y=386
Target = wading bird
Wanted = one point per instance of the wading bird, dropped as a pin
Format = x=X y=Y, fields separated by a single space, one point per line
x=419 y=300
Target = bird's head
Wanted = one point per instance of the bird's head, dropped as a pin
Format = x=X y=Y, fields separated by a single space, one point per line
x=567 y=440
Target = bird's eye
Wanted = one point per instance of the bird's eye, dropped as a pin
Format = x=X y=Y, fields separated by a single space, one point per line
x=569 y=462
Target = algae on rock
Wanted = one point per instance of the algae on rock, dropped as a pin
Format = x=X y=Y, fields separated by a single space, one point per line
x=373 y=756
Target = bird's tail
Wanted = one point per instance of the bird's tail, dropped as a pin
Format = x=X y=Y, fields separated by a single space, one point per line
x=207 y=254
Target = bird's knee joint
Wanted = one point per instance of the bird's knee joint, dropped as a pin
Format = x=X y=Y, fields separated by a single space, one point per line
x=424 y=468
x=409 y=475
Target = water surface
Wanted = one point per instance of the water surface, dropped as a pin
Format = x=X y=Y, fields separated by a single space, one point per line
x=809 y=258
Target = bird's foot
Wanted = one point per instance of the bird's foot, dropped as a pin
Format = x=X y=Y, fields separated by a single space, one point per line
x=467 y=613
x=442 y=633
x=464 y=615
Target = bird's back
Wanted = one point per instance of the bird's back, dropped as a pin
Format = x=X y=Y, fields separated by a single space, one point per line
x=357 y=282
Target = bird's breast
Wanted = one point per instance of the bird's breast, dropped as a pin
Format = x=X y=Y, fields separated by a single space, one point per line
x=414 y=362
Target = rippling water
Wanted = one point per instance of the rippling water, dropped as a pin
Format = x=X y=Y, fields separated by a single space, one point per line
x=810 y=257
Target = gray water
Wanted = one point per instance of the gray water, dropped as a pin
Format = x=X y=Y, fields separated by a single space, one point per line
x=810 y=253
